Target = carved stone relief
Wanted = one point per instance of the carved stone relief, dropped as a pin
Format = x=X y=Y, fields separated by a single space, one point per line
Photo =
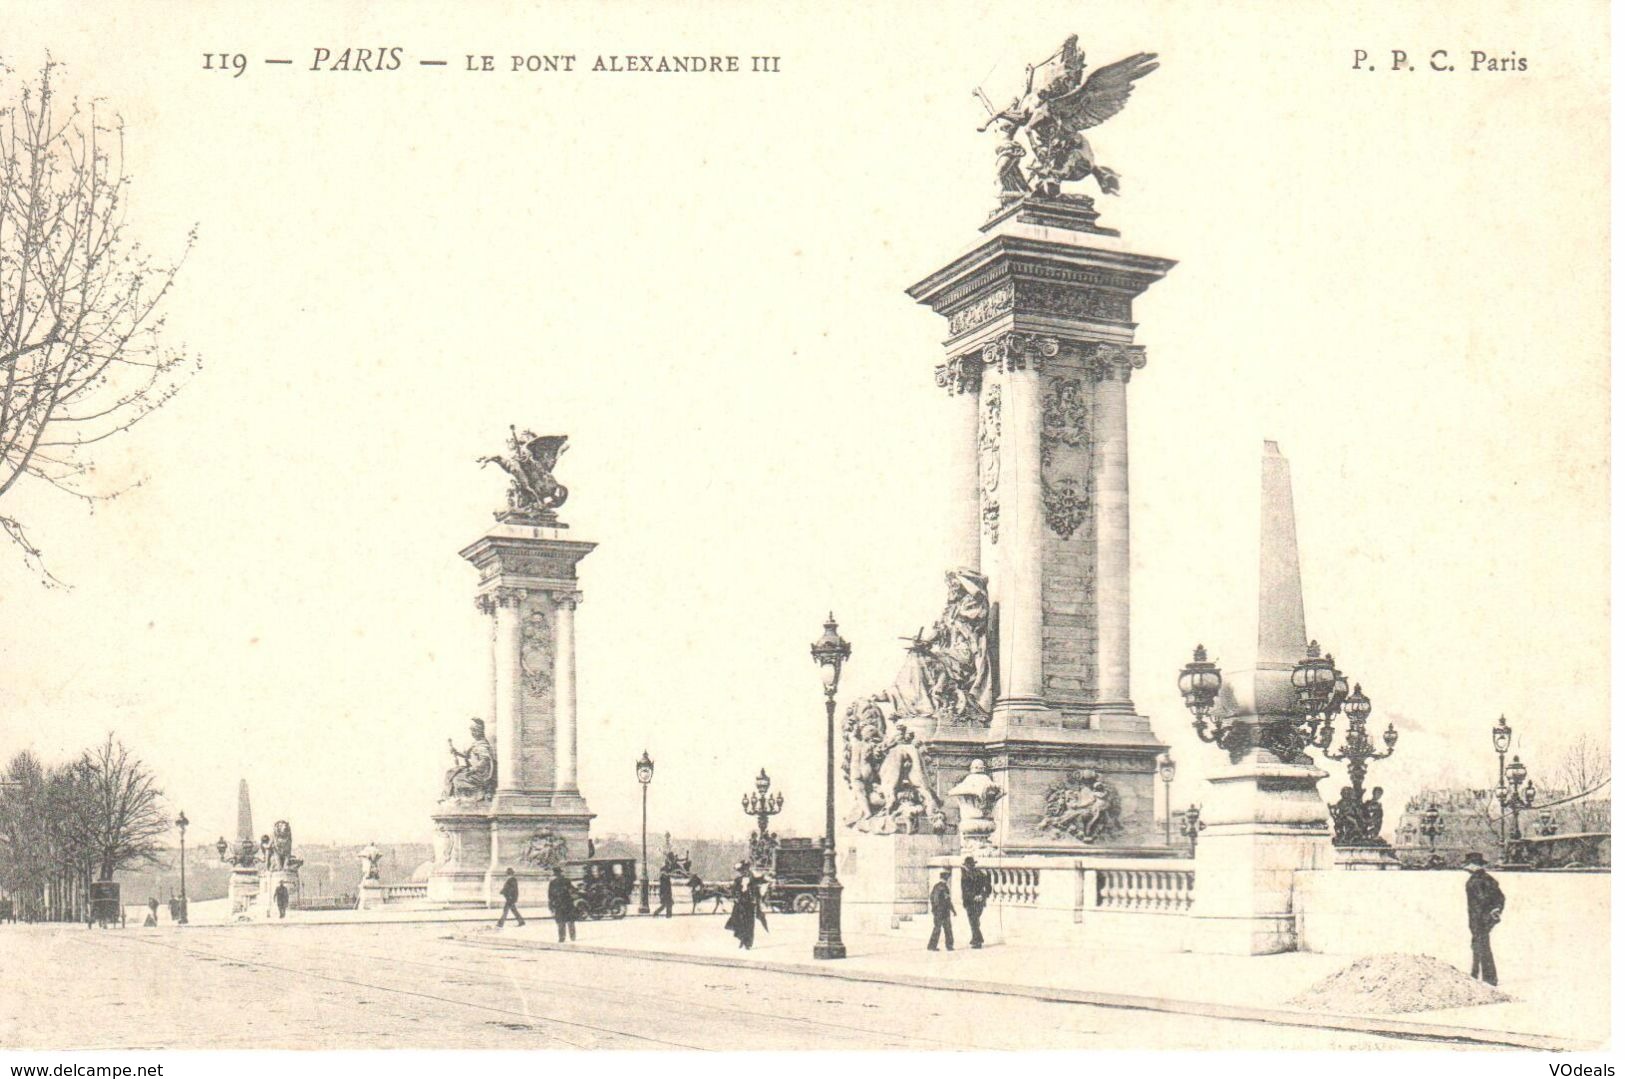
x=536 y=651
x=988 y=460
x=1065 y=455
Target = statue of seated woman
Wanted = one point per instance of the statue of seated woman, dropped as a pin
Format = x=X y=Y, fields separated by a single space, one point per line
x=475 y=775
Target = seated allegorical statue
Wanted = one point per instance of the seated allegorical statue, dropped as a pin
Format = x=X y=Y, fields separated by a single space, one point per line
x=475 y=775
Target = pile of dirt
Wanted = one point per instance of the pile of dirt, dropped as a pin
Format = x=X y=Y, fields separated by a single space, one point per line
x=1396 y=983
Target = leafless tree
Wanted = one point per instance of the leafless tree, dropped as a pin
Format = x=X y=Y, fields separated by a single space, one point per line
x=1581 y=772
x=80 y=329
x=122 y=816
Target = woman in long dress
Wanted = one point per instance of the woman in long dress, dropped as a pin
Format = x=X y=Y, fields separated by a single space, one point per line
x=747 y=894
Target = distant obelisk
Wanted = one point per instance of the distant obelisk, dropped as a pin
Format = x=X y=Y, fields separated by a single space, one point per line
x=245 y=817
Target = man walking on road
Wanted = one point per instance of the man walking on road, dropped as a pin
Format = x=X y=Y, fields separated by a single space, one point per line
x=510 y=900
x=974 y=887
x=942 y=911
x=1484 y=905
x=665 y=894
x=561 y=900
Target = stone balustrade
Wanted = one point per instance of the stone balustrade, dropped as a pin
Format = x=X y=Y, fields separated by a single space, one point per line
x=1105 y=899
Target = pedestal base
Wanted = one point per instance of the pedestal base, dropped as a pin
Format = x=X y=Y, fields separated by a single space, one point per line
x=1265 y=821
x=1366 y=858
x=475 y=848
x=243 y=890
x=886 y=878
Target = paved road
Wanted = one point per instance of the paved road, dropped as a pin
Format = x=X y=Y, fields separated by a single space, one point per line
x=412 y=986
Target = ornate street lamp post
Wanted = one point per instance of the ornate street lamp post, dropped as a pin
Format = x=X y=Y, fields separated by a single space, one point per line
x=1191 y=825
x=1516 y=794
x=1358 y=823
x=829 y=651
x=762 y=805
x=1165 y=768
x=222 y=846
x=181 y=822
x=1501 y=735
x=646 y=772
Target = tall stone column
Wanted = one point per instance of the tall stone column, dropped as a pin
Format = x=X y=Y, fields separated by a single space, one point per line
x=962 y=378
x=1021 y=528
x=564 y=701
x=1110 y=481
x=509 y=700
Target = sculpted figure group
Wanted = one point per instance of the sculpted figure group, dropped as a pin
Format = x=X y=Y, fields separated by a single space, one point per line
x=945 y=679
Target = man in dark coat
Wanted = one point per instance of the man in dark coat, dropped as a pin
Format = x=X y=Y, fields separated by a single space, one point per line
x=561 y=900
x=665 y=894
x=974 y=887
x=942 y=911
x=1484 y=905
x=510 y=901
x=747 y=895
x=281 y=897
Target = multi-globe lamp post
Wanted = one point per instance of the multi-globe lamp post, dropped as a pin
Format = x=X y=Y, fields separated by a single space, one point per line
x=1516 y=793
x=646 y=773
x=829 y=651
x=762 y=804
x=1358 y=749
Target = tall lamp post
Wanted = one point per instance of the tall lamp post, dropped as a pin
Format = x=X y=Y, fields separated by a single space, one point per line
x=829 y=651
x=181 y=822
x=1165 y=768
x=1516 y=794
x=646 y=772
x=1501 y=735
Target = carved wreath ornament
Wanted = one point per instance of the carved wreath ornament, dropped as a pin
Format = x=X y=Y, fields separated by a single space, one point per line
x=1066 y=428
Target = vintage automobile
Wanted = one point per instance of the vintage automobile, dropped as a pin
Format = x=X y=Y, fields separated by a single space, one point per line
x=603 y=886
x=792 y=880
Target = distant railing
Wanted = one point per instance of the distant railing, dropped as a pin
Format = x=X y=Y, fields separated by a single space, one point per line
x=402 y=893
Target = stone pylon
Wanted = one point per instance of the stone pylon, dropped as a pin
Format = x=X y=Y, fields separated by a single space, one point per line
x=1038 y=358
x=1264 y=816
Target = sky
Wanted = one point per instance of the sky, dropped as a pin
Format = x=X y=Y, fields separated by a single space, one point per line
x=1401 y=277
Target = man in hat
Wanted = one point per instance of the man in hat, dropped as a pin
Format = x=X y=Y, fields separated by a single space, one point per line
x=665 y=894
x=561 y=900
x=974 y=887
x=942 y=912
x=1484 y=905
x=510 y=900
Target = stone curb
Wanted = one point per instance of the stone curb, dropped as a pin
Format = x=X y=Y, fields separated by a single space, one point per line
x=1395 y=1028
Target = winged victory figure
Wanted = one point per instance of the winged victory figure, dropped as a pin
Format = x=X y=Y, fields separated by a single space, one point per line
x=533 y=491
x=1058 y=106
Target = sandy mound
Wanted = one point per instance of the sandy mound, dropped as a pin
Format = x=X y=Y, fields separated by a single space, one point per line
x=1396 y=983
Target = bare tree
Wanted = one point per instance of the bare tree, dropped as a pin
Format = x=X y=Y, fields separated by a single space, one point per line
x=80 y=331
x=1581 y=771
x=121 y=818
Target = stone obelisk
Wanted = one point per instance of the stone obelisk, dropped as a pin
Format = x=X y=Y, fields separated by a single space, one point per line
x=1264 y=815
x=531 y=813
x=245 y=816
